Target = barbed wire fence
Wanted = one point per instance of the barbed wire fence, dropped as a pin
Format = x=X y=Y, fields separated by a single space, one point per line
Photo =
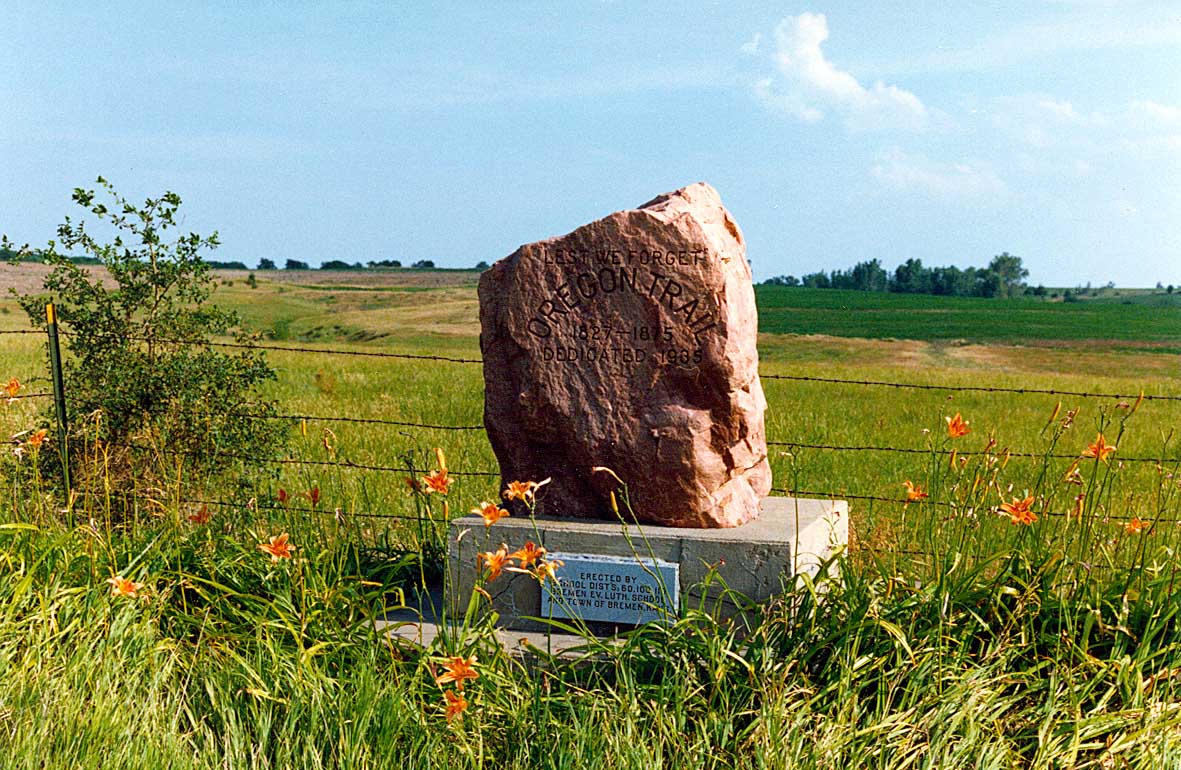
x=406 y=469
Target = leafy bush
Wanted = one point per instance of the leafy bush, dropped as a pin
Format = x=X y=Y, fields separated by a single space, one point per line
x=141 y=368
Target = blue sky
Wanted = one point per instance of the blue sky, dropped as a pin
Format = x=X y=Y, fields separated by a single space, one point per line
x=835 y=131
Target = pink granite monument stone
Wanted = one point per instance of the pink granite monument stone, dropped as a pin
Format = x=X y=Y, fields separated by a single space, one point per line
x=630 y=343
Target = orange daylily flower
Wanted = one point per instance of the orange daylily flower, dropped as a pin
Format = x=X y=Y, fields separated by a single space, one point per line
x=1135 y=526
x=528 y=555
x=438 y=482
x=278 y=547
x=283 y=496
x=1020 y=511
x=12 y=388
x=1099 y=449
x=201 y=516
x=313 y=494
x=38 y=438
x=121 y=586
x=914 y=492
x=957 y=426
x=491 y=512
x=495 y=560
x=520 y=490
x=548 y=569
x=459 y=669
x=455 y=702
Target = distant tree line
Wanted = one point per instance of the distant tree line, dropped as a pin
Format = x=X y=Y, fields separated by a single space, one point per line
x=337 y=264
x=32 y=255
x=1004 y=277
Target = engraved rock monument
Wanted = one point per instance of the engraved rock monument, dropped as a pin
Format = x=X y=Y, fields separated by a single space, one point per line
x=630 y=343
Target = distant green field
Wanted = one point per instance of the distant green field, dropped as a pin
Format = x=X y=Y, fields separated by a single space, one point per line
x=1145 y=318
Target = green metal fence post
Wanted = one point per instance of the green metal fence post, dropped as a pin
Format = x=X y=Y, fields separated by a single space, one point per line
x=59 y=402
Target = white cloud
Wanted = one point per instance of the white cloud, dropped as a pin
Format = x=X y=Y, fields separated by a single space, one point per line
x=766 y=92
x=1061 y=110
x=912 y=173
x=751 y=46
x=1155 y=114
x=1143 y=129
x=1151 y=130
x=1088 y=27
x=809 y=85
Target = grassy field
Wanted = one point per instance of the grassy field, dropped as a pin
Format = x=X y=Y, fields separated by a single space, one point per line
x=1138 y=318
x=957 y=639
x=382 y=314
x=442 y=321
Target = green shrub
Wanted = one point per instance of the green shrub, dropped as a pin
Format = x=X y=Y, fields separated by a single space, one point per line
x=141 y=370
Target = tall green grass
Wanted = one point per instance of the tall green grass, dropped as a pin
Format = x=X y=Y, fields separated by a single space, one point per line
x=228 y=659
x=954 y=638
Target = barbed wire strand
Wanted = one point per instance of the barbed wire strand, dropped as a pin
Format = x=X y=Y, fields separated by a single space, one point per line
x=992 y=510
x=788 y=444
x=811 y=493
x=910 y=552
x=490 y=474
x=299 y=349
x=971 y=388
x=19 y=396
x=946 y=452
x=767 y=376
x=322 y=418
x=342 y=463
x=299 y=509
x=336 y=511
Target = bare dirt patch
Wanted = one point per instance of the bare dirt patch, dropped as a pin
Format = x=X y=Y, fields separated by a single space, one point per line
x=28 y=277
x=362 y=279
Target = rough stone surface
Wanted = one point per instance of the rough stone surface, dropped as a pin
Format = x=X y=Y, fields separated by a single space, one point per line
x=630 y=343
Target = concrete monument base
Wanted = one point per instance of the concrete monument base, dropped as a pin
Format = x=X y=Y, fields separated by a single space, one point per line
x=617 y=576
